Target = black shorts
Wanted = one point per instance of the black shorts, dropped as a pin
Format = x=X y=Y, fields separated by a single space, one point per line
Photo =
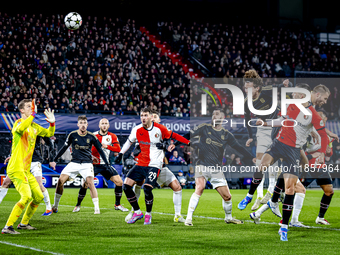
x=322 y=178
x=289 y=154
x=106 y=173
x=147 y=173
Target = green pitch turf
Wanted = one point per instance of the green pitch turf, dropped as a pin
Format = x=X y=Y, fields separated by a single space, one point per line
x=85 y=233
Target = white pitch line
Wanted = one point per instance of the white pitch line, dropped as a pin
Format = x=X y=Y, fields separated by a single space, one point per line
x=30 y=248
x=214 y=218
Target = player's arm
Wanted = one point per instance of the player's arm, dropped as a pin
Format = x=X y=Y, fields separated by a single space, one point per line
x=132 y=139
x=51 y=129
x=24 y=124
x=233 y=143
x=67 y=144
x=332 y=135
x=115 y=147
x=179 y=138
x=272 y=123
x=98 y=146
x=319 y=125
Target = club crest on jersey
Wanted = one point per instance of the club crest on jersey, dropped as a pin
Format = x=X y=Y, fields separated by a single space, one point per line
x=88 y=140
x=222 y=137
x=305 y=117
x=156 y=135
x=108 y=139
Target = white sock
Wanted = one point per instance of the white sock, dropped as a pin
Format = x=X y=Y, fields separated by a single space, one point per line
x=148 y=213
x=297 y=206
x=259 y=189
x=192 y=205
x=47 y=200
x=137 y=191
x=56 y=200
x=261 y=210
x=3 y=193
x=138 y=211
x=272 y=176
x=284 y=226
x=177 y=199
x=96 y=203
x=227 y=206
x=249 y=195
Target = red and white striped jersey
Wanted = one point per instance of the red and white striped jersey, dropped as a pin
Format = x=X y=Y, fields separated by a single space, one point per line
x=295 y=133
x=111 y=140
x=148 y=138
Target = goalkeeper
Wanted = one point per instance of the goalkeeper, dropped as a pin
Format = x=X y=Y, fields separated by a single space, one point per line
x=24 y=134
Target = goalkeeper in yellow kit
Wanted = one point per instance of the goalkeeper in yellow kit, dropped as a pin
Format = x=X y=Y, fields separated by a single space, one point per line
x=24 y=134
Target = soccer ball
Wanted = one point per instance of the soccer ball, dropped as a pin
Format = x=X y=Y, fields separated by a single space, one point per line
x=73 y=20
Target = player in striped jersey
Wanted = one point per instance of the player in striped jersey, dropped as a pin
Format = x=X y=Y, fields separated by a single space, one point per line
x=150 y=160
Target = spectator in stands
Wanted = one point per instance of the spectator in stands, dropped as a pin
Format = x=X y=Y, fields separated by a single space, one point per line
x=190 y=178
x=176 y=160
x=181 y=178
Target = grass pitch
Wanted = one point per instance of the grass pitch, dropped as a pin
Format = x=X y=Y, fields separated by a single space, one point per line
x=85 y=233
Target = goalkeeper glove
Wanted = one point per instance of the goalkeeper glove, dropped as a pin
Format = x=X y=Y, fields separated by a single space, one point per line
x=49 y=116
x=34 y=108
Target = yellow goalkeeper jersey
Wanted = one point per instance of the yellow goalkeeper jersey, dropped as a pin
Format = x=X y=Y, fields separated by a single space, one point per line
x=24 y=134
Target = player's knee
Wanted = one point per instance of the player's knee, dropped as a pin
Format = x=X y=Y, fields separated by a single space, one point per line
x=119 y=182
x=127 y=188
x=25 y=199
x=38 y=198
x=329 y=192
x=227 y=197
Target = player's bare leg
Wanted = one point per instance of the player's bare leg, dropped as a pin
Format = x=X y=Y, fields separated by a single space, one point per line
x=266 y=161
x=324 y=204
x=227 y=205
x=59 y=191
x=93 y=193
x=118 y=192
x=47 y=201
x=177 y=200
x=4 y=188
x=195 y=197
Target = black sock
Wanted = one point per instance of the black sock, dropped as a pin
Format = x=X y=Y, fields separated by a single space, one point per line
x=118 y=193
x=257 y=178
x=280 y=183
x=131 y=197
x=81 y=195
x=287 y=208
x=324 y=204
x=148 y=198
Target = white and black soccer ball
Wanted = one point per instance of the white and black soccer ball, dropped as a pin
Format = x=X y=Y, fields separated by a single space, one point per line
x=73 y=20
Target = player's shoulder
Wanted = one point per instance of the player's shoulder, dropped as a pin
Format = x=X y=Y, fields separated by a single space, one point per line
x=91 y=134
x=203 y=125
x=111 y=134
x=96 y=133
x=73 y=133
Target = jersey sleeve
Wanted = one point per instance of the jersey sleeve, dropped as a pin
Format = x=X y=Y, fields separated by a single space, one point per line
x=166 y=133
x=197 y=131
x=317 y=121
x=115 y=147
x=133 y=135
x=231 y=140
x=21 y=125
x=46 y=132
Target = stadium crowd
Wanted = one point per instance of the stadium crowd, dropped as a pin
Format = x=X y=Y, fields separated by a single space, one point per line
x=107 y=66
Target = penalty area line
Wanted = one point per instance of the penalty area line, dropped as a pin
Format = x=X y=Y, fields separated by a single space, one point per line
x=214 y=218
x=28 y=247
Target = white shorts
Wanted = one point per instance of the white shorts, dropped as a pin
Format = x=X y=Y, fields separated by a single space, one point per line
x=36 y=169
x=216 y=179
x=263 y=138
x=73 y=169
x=165 y=177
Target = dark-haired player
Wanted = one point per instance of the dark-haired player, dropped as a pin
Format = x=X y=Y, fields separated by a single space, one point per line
x=81 y=141
x=150 y=160
x=262 y=97
x=109 y=142
x=213 y=141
